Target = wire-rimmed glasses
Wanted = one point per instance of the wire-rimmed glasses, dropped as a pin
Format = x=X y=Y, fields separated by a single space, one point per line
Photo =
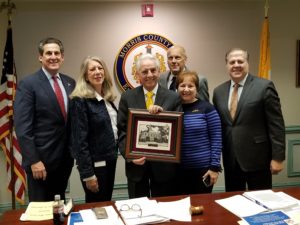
x=130 y=212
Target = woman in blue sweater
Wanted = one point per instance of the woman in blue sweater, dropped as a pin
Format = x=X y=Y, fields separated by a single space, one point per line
x=201 y=141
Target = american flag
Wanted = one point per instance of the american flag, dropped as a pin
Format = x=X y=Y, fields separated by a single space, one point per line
x=17 y=179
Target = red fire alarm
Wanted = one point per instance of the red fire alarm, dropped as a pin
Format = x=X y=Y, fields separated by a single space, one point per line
x=147 y=10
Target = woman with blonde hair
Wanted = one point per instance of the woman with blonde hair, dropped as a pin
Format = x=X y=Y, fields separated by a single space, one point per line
x=93 y=140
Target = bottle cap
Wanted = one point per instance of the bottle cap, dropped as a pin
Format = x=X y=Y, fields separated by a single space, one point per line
x=57 y=197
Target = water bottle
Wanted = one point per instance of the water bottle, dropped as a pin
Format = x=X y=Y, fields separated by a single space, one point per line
x=58 y=211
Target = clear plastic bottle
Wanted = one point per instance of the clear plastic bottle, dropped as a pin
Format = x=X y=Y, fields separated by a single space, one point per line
x=58 y=211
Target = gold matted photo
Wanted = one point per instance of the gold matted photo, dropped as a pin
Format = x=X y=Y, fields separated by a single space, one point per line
x=155 y=136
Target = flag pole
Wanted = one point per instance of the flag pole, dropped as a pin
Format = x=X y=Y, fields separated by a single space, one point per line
x=10 y=6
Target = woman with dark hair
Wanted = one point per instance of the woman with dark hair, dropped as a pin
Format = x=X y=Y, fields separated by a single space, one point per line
x=201 y=141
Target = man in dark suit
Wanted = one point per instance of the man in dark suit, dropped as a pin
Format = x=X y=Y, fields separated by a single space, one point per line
x=41 y=107
x=147 y=178
x=252 y=125
x=177 y=63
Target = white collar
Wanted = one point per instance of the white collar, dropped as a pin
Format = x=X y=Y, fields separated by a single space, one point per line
x=154 y=91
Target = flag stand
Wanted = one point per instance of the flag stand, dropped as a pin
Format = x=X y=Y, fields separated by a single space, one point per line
x=10 y=6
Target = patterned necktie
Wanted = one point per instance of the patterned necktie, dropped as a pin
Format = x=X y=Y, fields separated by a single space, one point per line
x=234 y=100
x=173 y=84
x=59 y=96
x=149 y=100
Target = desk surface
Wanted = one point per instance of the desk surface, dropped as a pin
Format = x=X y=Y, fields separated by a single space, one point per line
x=214 y=214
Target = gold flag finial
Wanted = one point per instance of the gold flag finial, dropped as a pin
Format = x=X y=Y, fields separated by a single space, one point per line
x=266 y=8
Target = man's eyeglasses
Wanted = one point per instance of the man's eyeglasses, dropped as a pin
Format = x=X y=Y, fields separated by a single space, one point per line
x=130 y=212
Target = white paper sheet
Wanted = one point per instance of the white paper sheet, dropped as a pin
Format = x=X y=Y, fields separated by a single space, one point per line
x=241 y=206
x=176 y=210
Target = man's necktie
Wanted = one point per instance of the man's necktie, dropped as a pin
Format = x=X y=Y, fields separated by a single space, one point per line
x=59 y=96
x=173 y=84
x=234 y=100
x=149 y=100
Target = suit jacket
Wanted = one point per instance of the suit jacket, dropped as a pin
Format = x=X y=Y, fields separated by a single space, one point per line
x=203 y=94
x=135 y=98
x=39 y=122
x=257 y=134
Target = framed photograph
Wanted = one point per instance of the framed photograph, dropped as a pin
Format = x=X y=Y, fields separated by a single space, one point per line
x=298 y=64
x=155 y=136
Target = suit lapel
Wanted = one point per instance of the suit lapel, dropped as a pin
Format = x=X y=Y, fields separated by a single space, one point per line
x=159 y=96
x=67 y=85
x=224 y=99
x=244 y=96
x=140 y=97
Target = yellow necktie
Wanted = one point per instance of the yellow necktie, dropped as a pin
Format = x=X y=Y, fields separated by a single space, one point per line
x=149 y=100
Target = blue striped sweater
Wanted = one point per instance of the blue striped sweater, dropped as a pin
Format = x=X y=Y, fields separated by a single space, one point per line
x=202 y=140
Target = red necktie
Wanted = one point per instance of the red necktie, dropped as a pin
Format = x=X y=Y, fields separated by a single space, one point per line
x=59 y=96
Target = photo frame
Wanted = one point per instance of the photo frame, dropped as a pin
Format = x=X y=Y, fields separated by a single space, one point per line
x=155 y=136
x=298 y=64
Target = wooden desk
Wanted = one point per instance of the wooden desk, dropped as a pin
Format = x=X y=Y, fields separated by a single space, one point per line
x=214 y=214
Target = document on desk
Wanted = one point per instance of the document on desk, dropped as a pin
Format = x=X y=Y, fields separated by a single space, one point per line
x=89 y=217
x=269 y=218
x=155 y=212
x=139 y=211
x=176 y=210
x=38 y=211
x=241 y=206
x=271 y=200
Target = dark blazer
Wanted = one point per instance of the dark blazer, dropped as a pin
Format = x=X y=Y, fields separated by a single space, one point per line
x=39 y=122
x=135 y=98
x=257 y=134
x=203 y=94
x=92 y=138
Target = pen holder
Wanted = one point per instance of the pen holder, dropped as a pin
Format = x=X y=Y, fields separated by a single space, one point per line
x=196 y=210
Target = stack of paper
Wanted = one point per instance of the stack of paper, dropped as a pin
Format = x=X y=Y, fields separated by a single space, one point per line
x=271 y=200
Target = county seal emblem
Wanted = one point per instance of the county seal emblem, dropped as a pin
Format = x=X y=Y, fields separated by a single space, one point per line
x=125 y=63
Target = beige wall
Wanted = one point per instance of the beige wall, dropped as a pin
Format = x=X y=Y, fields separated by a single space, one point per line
x=206 y=29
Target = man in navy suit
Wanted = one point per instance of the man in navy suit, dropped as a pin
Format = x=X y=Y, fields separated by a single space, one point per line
x=147 y=178
x=177 y=64
x=253 y=130
x=41 y=124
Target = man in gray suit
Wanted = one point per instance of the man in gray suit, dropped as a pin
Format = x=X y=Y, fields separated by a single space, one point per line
x=176 y=61
x=41 y=124
x=147 y=178
x=252 y=125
